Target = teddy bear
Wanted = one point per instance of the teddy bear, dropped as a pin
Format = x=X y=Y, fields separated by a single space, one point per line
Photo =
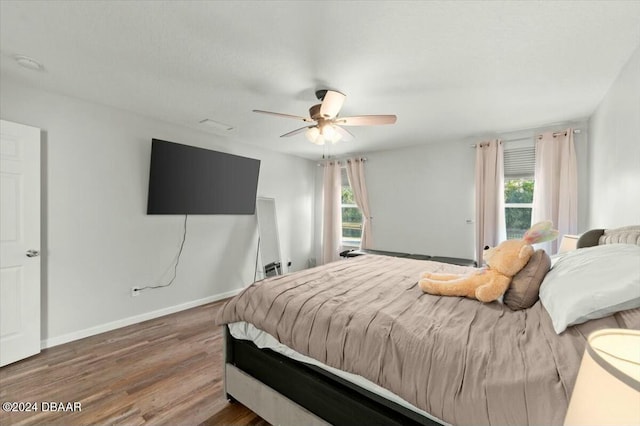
x=503 y=262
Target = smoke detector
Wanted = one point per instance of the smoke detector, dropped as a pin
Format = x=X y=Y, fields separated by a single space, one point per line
x=29 y=63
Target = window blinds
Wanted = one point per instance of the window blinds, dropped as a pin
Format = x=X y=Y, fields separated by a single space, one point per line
x=345 y=178
x=519 y=162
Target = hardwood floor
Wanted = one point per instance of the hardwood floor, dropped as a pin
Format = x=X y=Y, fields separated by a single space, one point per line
x=163 y=371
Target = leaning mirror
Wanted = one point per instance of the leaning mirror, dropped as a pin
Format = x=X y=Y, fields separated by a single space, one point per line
x=269 y=241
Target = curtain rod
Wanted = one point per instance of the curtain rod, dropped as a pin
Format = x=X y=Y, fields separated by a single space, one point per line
x=575 y=131
x=344 y=159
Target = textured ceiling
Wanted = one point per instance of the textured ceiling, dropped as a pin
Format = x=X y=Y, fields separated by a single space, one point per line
x=448 y=69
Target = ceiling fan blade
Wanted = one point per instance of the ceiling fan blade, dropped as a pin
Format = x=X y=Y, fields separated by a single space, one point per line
x=295 y=132
x=366 y=120
x=331 y=104
x=344 y=133
x=279 y=114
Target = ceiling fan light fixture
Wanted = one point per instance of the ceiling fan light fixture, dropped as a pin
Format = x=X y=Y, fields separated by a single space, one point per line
x=320 y=135
x=328 y=126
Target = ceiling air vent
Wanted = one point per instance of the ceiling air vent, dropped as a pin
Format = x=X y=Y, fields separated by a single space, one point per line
x=217 y=126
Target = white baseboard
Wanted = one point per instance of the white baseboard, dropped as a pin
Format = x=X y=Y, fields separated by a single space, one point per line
x=92 y=331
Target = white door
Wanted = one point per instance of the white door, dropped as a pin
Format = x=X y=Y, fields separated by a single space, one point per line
x=20 y=241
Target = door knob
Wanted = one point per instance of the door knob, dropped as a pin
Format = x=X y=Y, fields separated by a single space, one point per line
x=33 y=253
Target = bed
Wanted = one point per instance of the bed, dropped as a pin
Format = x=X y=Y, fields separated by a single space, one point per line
x=357 y=342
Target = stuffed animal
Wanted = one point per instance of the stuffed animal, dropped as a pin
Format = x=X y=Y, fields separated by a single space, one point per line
x=503 y=262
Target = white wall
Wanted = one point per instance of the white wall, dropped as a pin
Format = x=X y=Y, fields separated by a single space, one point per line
x=98 y=241
x=615 y=152
x=421 y=197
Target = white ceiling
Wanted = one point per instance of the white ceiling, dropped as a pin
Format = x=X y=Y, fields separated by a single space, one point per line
x=448 y=69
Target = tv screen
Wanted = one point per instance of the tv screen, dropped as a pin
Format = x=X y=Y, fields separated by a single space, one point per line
x=188 y=180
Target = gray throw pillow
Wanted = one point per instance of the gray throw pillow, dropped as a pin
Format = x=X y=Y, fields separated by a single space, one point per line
x=525 y=285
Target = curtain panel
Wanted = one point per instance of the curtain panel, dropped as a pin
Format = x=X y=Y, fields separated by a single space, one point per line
x=331 y=212
x=555 y=194
x=490 y=218
x=355 y=173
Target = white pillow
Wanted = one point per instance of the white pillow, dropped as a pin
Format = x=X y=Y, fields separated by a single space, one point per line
x=590 y=283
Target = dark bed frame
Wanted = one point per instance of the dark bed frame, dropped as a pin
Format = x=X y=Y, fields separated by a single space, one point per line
x=324 y=395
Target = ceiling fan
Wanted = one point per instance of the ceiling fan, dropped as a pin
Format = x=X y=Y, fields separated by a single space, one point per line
x=327 y=125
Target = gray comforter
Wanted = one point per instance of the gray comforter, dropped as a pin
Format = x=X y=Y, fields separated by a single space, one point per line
x=460 y=360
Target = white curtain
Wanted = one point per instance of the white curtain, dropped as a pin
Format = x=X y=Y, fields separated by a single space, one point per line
x=332 y=214
x=490 y=220
x=355 y=173
x=555 y=193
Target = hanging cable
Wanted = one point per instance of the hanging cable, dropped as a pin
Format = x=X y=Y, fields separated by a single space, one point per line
x=255 y=270
x=177 y=261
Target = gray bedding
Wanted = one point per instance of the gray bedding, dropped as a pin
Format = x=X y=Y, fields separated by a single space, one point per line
x=459 y=359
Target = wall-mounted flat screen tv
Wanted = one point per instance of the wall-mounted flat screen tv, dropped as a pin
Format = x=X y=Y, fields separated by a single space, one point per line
x=188 y=180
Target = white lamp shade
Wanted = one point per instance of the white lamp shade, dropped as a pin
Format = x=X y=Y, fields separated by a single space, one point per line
x=330 y=134
x=312 y=133
x=607 y=390
x=328 y=131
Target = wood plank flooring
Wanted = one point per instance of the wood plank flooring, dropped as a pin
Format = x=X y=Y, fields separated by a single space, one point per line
x=163 y=371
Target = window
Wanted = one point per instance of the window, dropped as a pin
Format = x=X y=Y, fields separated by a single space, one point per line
x=519 y=170
x=518 y=199
x=351 y=215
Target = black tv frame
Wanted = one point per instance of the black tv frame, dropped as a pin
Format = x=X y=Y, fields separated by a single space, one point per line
x=185 y=179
